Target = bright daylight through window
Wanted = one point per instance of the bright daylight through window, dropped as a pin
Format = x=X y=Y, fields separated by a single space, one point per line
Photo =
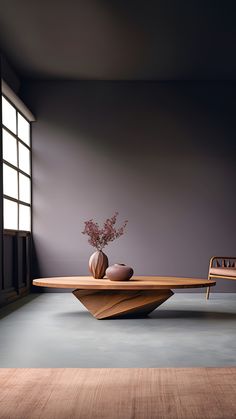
x=16 y=168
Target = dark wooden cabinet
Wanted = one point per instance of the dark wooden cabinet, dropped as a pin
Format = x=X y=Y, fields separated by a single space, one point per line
x=16 y=265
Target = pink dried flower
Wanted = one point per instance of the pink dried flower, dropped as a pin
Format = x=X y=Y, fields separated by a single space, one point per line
x=100 y=237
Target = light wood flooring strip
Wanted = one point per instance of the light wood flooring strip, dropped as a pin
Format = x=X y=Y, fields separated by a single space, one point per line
x=132 y=393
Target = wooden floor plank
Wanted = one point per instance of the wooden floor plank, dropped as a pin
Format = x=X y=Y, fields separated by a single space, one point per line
x=138 y=393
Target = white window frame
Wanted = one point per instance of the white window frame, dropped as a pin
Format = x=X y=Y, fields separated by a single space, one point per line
x=21 y=109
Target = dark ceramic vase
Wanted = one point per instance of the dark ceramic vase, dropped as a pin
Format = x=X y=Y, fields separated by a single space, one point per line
x=98 y=264
x=119 y=272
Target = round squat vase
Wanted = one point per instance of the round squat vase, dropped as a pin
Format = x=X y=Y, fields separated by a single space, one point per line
x=98 y=264
x=119 y=272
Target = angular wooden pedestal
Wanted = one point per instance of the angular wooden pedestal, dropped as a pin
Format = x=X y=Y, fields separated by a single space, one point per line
x=107 y=304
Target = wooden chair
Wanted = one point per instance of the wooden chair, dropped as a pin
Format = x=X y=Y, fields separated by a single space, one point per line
x=221 y=267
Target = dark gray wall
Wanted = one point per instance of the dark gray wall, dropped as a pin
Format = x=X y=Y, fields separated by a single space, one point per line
x=162 y=154
x=120 y=40
x=8 y=74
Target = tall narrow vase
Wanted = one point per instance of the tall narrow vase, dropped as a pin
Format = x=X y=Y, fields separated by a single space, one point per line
x=98 y=263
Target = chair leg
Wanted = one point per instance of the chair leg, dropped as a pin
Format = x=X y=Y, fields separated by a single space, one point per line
x=207 y=293
x=208 y=290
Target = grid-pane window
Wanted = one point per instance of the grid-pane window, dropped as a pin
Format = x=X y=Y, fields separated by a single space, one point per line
x=16 y=154
x=9 y=114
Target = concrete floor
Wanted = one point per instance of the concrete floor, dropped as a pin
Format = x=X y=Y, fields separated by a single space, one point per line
x=55 y=330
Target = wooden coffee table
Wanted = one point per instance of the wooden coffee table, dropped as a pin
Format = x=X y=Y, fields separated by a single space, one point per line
x=110 y=299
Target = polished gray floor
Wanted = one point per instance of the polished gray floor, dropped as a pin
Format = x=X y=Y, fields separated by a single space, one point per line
x=55 y=330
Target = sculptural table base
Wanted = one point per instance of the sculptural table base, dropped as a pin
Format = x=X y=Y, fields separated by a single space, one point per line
x=107 y=304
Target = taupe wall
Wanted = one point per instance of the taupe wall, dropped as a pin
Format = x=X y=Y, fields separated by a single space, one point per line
x=162 y=154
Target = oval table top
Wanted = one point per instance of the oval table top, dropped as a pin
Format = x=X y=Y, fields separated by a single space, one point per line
x=135 y=283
